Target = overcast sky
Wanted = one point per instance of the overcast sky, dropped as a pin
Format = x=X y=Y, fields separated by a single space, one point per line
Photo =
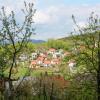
x=53 y=17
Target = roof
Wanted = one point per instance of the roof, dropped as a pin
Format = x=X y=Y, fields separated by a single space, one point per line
x=67 y=53
x=52 y=49
x=43 y=55
x=55 y=61
x=34 y=62
x=40 y=58
x=47 y=62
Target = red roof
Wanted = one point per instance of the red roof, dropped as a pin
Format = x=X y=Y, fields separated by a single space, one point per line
x=47 y=62
x=52 y=49
x=40 y=58
x=67 y=53
x=34 y=62
x=44 y=55
x=56 y=61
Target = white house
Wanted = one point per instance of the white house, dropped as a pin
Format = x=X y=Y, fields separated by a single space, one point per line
x=34 y=55
x=72 y=65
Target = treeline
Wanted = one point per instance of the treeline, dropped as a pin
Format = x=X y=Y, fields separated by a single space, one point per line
x=51 y=43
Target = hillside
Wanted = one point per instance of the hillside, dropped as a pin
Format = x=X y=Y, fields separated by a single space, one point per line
x=37 y=41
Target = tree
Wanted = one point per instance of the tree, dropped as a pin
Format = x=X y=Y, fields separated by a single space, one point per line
x=12 y=33
x=57 y=44
x=87 y=43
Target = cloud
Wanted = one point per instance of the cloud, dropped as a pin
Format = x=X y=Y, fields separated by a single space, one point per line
x=55 y=14
x=54 y=20
x=46 y=16
x=8 y=10
x=41 y=17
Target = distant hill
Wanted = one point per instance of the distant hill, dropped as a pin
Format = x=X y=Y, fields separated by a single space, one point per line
x=37 y=41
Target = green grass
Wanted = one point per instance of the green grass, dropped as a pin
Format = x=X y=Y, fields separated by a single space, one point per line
x=37 y=72
x=21 y=71
x=25 y=71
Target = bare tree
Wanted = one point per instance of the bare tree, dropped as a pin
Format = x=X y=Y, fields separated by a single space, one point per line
x=12 y=33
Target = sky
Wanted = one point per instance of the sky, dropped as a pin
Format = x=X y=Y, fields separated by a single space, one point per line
x=53 y=17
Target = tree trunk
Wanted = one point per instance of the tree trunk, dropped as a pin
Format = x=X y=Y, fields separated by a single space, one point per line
x=8 y=95
x=11 y=94
x=98 y=85
x=98 y=72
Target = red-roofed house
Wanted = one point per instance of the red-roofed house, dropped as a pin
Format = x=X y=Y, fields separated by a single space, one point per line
x=40 y=60
x=51 y=51
x=55 y=61
x=33 y=64
x=47 y=63
x=43 y=55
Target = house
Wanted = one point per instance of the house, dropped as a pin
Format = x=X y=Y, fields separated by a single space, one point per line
x=48 y=58
x=34 y=55
x=56 y=55
x=51 y=51
x=33 y=64
x=61 y=50
x=47 y=63
x=55 y=61
x=71 y=65
x=40 y=60
x=43 y=55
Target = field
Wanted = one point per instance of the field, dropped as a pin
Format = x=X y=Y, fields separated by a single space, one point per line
x=25 y=71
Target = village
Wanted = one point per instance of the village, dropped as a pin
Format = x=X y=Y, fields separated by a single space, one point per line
x=50 y=58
